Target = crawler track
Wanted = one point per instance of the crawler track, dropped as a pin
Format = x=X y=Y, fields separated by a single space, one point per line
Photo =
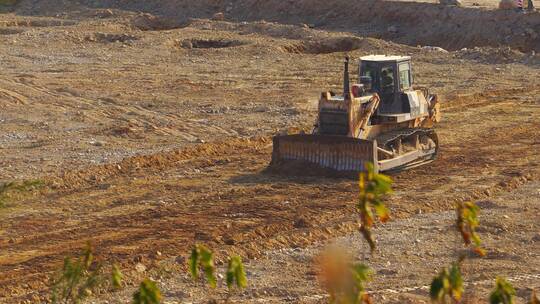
x=387 y=141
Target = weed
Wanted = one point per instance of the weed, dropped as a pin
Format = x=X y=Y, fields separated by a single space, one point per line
x=467 y=222
x=148 y=293
x=77 y=279
x=447 y=285
x=344 y=280
x=503 y=293
x=202 y=257
x=235 y=273
x=9 y=189
x=373 y=187
x=116 y=277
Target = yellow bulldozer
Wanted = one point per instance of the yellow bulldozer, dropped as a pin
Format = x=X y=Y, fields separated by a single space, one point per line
x=383 y=119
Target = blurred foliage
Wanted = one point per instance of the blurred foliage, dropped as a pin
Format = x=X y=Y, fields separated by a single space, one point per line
x=148 y=293
x=344 y=280
x=202 y=257
x=116 y=277
x=448 y=285
x=9 y=189
x=80 y=278
x=467 y=222
x=77 y=279
x=235 y=273
x=373 y=187
x=503 y=293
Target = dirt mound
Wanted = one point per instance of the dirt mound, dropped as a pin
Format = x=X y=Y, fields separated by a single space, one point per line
x=90 y=176
x=411 y=23
x=492 y=55
x=37 y=22
x=275 y=29
x=149 y=22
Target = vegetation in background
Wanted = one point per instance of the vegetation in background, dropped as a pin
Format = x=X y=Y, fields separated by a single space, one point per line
x=148 y=293
x=503 y=293
x=9 y=189
x=373 y=187
x=82 y=277
x=344 y=280
x=448 y=285
x=236 y=276
x=77 y=279
x=202 y=257
x=116 y=277
x=467 y=222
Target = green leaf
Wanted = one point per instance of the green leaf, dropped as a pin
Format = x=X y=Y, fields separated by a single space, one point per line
x=235 y=273
x=503 y=293
x=344 y=280
x=448 y=284
x=467 y=222
x=193 y=263
x=383 y=184
x=476 y=239
x=382 y=212
x=207 y=263
x=372 y=188
x=9 y=188
x=88 y=255
x=436 y=290
x=204 y=258
x=77 y=279
x=362 y=273
x=148 y=293
x=456 y=281
x=116 y=277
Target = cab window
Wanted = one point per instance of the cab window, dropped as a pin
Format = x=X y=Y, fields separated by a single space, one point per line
x=404 y=76
x=368 y=71
x=387 y=79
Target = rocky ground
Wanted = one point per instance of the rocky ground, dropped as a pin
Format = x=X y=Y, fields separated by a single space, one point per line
x=411 y=252
x=151 y=132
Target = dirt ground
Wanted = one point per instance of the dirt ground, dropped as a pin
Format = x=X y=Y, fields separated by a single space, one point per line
x=152 y=131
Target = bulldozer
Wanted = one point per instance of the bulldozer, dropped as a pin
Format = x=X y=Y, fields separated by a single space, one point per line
x=383 y=119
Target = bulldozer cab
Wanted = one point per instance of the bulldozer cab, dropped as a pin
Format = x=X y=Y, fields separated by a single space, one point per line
x=391 y=78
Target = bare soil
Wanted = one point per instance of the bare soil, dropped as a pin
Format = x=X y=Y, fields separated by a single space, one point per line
x=151 y=127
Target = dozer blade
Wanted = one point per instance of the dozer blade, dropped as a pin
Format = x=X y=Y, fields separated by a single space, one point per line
x=339 y=153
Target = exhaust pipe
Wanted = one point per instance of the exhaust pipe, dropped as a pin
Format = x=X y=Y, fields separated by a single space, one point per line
x=346 y=82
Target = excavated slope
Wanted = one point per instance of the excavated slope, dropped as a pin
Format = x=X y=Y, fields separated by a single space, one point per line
x=404 y=22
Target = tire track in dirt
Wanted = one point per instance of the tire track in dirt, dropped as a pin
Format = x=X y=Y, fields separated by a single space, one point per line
x=216 y=194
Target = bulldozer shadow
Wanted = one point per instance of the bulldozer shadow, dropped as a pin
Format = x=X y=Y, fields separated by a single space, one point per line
x=305 y=175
